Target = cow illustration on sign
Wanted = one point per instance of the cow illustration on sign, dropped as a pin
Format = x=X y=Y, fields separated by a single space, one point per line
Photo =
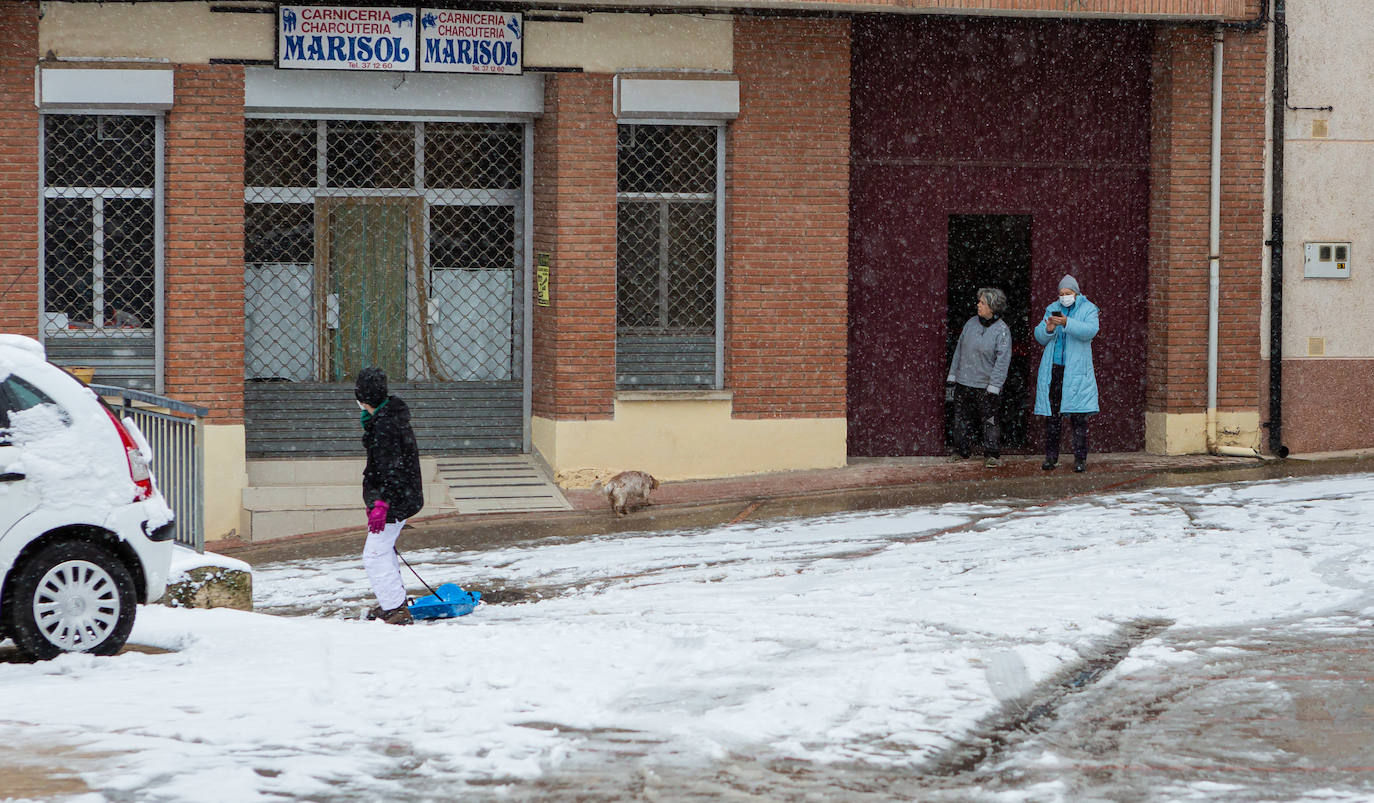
x=288 y=20
x=429 y=20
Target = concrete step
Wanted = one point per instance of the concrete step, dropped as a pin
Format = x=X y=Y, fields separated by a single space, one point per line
x=327 y=497
x=321 y=471
x=499 y=484
x=288 y=497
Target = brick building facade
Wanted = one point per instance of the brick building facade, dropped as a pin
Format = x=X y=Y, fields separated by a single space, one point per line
x=770 y=387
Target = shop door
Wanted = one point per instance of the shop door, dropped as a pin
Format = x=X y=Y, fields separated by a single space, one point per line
x=994 y=251
x=393 y=243
x=368 y=247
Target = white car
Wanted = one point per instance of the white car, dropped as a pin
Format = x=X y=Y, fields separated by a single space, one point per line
x=84 y=533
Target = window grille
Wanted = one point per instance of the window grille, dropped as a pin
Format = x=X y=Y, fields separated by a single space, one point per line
x=382 y=242
x=100 y=244
x=667 y=256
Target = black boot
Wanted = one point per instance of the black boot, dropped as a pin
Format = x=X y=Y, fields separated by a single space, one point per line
x=1049 y=464
x=1080 y=466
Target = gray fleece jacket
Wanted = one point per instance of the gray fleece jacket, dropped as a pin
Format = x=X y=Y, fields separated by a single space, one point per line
x=982 y=356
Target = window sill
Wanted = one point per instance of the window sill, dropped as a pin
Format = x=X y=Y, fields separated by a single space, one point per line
x=674 y=395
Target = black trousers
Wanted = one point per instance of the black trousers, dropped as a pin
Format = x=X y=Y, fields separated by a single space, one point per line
x=1054 y=425
x=972 y=404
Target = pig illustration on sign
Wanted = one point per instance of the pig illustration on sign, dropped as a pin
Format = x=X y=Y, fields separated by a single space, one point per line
x=429 y=21
x=403 y=19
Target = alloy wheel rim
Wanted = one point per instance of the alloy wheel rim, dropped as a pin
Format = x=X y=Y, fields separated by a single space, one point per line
x=76 y=605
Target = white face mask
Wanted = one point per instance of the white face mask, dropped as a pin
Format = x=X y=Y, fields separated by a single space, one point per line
x=361 y=407
x=1067 y=301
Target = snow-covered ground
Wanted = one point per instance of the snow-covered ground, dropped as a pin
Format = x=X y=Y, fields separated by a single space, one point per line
x=849 y=639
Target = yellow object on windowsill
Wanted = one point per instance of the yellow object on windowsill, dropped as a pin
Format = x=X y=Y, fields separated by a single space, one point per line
x=83 y=372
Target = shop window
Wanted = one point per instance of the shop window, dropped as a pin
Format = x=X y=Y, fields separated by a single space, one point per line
x=485 y=157
x=667 y=256
x=98 y=150
x=100 y=246
x=280 y=153
x=371 y=154
x=405 y=252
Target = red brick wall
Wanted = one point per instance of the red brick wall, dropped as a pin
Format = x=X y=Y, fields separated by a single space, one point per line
x=1176 y=376
x=1243 y=227
x=19 y=132
x=204 y=240
x=788 y=219
x=574 y=222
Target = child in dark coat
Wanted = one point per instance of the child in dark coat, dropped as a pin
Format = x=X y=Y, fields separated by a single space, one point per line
x=393 y=490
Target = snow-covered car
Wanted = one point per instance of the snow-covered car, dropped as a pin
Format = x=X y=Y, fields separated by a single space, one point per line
x=85 y=535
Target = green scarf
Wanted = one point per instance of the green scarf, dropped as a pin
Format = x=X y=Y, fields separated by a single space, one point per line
x=364 y=416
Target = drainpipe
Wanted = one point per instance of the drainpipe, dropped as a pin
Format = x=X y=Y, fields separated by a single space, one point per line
x=1275 y=243
x=1214 y=259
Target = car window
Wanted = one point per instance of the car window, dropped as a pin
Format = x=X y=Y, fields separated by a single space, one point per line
x=5 y=406
x=17 y=394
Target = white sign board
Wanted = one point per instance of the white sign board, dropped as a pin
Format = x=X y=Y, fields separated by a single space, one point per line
x=471 y=41
x=346 y=38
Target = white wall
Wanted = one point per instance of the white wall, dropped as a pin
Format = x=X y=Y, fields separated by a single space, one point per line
x=1329 y=181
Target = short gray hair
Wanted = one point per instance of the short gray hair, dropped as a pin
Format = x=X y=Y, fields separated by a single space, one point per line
x=994 y=298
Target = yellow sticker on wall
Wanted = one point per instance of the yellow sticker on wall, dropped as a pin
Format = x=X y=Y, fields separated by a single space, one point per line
x=541 y=279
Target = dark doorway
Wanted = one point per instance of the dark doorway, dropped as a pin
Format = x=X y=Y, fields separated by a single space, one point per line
x=994 y=251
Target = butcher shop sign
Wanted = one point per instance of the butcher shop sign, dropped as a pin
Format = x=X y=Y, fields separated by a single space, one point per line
x=399 y=38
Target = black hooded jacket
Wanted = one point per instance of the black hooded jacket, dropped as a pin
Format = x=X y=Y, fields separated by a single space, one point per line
x=393 y=461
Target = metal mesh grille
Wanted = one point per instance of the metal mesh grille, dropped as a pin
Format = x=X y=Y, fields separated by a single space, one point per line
x=99 y=233
x=383 y=243
x=666 y=255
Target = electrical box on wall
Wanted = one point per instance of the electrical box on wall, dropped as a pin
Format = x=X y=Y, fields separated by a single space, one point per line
x=1326 y=260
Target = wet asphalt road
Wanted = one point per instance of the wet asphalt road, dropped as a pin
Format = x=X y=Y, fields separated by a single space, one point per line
x=1275 y=712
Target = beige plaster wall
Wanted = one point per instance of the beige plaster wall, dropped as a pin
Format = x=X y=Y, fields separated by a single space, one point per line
x=616 y=42
x=678 y=440
x=190 y=33
x=1175 y=433
x=226 y=475
x=1327 y=179
x=178 y=32
x=1186 y=433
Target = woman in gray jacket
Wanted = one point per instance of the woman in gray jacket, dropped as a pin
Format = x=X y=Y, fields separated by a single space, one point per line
x=976 y=376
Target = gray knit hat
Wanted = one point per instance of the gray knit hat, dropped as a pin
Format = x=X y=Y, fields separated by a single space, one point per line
x=1070 y=282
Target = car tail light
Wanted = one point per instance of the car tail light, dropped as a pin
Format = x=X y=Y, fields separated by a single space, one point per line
x=138 y=464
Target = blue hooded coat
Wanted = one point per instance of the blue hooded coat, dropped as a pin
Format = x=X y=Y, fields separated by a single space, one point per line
x=1080 y=383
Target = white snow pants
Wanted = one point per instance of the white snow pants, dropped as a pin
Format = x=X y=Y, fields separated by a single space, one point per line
x=384 y=566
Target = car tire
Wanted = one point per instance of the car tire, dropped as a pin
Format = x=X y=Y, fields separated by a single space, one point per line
x=72 y=596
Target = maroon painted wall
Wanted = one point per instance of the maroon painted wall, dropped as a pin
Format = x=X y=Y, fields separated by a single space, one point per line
x=973 y=116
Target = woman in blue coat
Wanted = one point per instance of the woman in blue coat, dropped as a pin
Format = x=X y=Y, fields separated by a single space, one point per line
x=1066 y=384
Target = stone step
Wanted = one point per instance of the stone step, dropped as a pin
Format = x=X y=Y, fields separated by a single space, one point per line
x=288 y=497
x=322 y=471
x=328 y=497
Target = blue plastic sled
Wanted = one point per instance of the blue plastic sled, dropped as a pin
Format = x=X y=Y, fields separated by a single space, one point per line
x=450 y=601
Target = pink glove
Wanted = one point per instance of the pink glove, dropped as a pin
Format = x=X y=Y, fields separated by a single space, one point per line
x=376 y=517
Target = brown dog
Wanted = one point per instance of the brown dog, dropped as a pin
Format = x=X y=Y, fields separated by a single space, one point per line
x=628 y=489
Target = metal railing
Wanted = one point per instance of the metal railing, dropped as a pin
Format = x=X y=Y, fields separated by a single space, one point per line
x=176 y=432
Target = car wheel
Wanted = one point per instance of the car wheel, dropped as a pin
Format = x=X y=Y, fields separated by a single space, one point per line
x=72 y=596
